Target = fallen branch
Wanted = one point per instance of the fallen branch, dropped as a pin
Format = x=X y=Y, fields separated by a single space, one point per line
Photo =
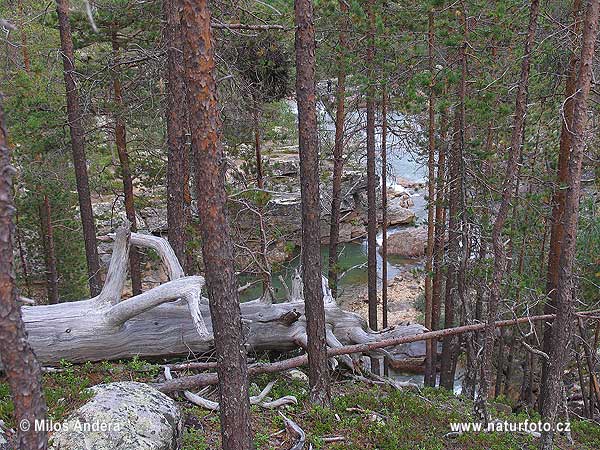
x=295 y=432
x=205 y=379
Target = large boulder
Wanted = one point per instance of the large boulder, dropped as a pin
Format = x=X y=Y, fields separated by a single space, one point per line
x=408 y=243
x=398 y=213
x=122 y=416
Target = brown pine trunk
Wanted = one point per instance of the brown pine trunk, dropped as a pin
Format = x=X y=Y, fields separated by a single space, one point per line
x=74 y=114
x=178 y=164
x=121 y=144
x=562 y=328
x=456 y=239
x=338 y=153
x=558 y=199
x=320 y=392
x=217 y=247
x=429 y=368
x=508 y=187
x=384 y=272
x=49 y=251
x=371 y=176
x=439 y=244
x=18 y=360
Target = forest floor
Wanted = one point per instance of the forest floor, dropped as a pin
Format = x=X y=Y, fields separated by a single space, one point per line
x=364 y=416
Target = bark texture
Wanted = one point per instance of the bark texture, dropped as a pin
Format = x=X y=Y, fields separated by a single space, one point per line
x=309 y=185
x=217 y=247
x=558 y=199
x=562 y=326
x=74 y=114
x=20 y=365
x=178 y=164
x=371 y=182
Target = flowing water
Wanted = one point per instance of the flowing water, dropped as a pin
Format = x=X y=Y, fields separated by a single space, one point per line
x=402 y=163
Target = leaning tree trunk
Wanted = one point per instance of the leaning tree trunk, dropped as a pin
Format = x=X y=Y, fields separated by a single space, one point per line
x=173 y=320
x=121 y=143
x=74 y=114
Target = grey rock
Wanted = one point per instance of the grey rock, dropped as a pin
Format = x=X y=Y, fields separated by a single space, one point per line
x=398 y=214
x=408 y=243
x=138 y=416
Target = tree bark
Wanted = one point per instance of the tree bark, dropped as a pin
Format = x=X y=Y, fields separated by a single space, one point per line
x=22 y=370
x=371 y=175
x=121 y=144
x=338 y=151
x=558 y=198
x=562 y=326
x=217 y=248
x=74 y=114
x=429 y=368
x=439 y=245
x=178 y=164
x=508 y=187
x=49 y=251
x=320 y=391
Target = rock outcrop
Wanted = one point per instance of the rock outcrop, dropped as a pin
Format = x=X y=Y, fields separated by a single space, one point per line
x=122 y=416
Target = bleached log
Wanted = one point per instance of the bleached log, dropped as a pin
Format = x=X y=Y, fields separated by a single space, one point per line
x=157 y=324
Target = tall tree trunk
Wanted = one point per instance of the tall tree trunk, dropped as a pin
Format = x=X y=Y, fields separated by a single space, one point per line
x=384 y=201
x=217 y=248
x=178 y=165
x=561 y=329
x=18 y=360
x=338 y=152
x=455 y=221
x=371 y=175
x=121 y=144
x=49 y=250
x=320 y=392
x=508 y=187
x=558 y=199
x=429 y=368
x=74 y=114
x=439 y=244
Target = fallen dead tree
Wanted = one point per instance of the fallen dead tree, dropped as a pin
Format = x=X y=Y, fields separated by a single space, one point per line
x=207 y=379
x=173 y=319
